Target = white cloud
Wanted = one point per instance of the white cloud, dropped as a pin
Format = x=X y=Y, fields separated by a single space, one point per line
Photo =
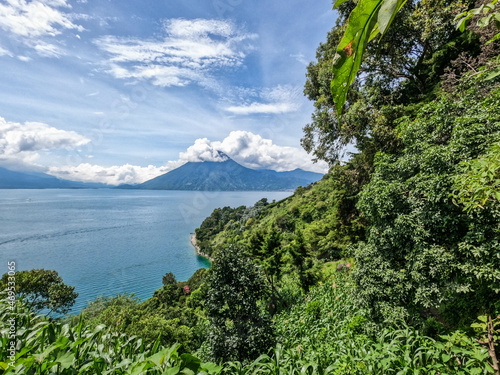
x=22 y=142
x=33 y=20
x=280 y=99
x=246 y=148
x=202 y=150
x=189 y=52
x=256 y=108
x=252 y=151
x=4 y=52
x=300 y=58
x=114 y=175
x=36 y=18
x=48 y=50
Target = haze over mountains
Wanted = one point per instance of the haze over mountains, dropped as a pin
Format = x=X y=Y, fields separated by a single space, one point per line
x=225 y=175
x=34 y=180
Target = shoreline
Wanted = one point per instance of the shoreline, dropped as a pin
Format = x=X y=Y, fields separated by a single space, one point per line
x=197 y=248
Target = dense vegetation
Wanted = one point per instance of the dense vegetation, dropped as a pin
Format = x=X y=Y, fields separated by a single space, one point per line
x=324 y=332
x=388 y=265
x=42 y=346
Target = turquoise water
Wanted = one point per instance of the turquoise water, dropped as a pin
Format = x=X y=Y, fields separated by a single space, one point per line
x=105 y=242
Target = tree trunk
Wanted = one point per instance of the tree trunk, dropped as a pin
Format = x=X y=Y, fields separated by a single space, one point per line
x=491 y=346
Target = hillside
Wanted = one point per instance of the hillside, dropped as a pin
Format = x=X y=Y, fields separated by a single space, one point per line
x=34 y=180
x=324 y=212
x=227 y=176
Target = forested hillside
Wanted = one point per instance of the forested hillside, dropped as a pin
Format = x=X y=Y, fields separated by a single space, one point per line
x=388 y=265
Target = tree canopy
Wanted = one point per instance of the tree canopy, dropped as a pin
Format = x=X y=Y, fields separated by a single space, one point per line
x=239 y=329
x=43 y=290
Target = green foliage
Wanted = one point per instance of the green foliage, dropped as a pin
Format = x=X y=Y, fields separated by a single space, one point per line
x=169 y=279
x=304 y=266
x=323 y=333
x=239 y=329
x=171 y=311
x=401 y=68
x=48 y=347
x=42 y=290
x=116 y=312
x=366 y=20
x=292 y=238
x=479 y=182
x=327 y=333
x=197 y=279
x=423 y=252
x=219 y=220
x=487 y=12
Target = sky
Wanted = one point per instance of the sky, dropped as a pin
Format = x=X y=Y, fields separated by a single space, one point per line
x=121 y=91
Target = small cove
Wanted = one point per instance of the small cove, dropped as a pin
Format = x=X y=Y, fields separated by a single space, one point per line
x=106 y=241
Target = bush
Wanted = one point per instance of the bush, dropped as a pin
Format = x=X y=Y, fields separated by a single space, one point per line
x=239 y=329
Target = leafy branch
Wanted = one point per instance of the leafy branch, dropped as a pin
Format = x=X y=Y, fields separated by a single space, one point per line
x=367 y=20
x=489 y=14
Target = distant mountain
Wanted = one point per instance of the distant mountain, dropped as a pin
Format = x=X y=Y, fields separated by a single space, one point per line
x=227 y=176
x=34 y=180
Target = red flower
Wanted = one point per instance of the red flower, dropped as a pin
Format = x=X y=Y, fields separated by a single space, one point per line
x=186 y=289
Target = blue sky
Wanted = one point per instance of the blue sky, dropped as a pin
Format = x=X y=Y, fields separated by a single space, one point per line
x=120 y=91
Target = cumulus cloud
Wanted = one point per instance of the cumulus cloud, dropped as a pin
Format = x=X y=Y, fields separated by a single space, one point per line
x=246 y=148
x=280 y=99
x=22 y=142
x=114 y=175
x=252 y=151
x=202 y=150
x=33 y=20
x=21 y=145
x=189 y=52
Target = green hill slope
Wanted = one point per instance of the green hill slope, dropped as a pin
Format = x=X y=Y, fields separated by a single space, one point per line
x=324 y=212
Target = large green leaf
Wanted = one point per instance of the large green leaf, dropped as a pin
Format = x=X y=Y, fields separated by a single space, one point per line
x=367 y=20
x=387 y=12
x=172 y=370
x=350 y=49
x=65 y=360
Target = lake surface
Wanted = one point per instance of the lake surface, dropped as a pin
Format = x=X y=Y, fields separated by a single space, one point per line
x=105 y=241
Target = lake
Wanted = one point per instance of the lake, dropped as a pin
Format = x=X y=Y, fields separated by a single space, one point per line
x=106 y=241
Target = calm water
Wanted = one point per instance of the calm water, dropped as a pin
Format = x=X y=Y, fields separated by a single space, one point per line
x=105 y=242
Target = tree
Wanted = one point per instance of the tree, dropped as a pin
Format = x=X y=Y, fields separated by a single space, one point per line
x=271 y=258
x=371 y=19
x=303 y=262
x=169 y=279
x=43 y=290
x=425 y=256
x=400 y=67
x=239 y=329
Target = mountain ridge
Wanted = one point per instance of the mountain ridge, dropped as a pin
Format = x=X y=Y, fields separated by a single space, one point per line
x=10 y=179
x=226 y=175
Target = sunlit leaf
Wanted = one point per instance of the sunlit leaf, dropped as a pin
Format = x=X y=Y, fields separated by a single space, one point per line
x=350 y=49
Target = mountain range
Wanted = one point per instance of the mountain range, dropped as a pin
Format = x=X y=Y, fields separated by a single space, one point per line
x=34 y=180
x=227 y=176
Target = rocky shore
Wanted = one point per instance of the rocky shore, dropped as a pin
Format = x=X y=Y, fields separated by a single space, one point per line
x=197 y=248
